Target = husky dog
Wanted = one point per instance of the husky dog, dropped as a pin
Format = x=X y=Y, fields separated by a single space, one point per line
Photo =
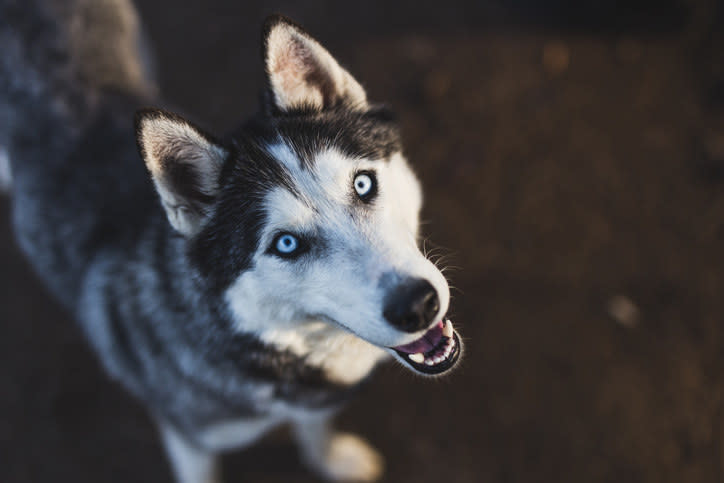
x=230 y=283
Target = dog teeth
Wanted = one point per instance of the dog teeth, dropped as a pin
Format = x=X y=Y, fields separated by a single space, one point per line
x=447 y=331
x=419 y=358
x=442 y=354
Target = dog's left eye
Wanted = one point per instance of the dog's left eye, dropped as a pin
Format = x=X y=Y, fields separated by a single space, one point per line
x=286 y=245
x=365 y=184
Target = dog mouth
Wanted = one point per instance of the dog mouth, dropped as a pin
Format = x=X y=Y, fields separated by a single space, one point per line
x=436 y=352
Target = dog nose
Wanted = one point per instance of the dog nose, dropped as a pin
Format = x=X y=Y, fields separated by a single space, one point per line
x=412 y=305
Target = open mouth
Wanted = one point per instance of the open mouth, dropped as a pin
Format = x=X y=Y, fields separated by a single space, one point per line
x=435 y=352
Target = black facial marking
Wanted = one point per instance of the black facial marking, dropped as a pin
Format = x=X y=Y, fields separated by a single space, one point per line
x=225 y=246
x=357 y=135
x=373 y=134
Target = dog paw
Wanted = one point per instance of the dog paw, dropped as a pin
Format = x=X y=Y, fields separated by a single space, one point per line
x=351 y=458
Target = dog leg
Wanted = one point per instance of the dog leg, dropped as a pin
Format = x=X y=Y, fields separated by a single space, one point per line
x=336 y=456
x=190 y=464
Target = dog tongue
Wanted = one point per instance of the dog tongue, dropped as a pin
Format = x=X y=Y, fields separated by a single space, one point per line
x=425 y=343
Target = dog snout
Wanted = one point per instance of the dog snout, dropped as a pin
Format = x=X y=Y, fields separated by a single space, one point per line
x=412 y=305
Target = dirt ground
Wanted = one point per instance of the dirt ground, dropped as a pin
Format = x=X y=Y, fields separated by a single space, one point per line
x=573 y=161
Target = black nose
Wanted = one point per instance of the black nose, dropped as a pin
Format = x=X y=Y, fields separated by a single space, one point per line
x=412 y=305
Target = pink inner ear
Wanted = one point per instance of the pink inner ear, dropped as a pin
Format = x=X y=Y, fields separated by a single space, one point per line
x=303 y=74
x=296 y=76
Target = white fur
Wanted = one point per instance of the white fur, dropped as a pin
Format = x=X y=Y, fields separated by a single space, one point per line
x=190 y=463
x=198 y=461
x=235 y=434
x=345 y=358
x=329 y=307
x=337 y=456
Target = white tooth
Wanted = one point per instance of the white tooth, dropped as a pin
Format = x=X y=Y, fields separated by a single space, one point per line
x=447 y=331
x=437 y=360
x=429 y=362
x=419 y=358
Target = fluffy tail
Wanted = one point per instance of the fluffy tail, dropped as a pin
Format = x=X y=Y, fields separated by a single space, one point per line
x=58 y=57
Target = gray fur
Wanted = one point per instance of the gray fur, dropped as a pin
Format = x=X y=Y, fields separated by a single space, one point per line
x=149 y=298
x=100 y=238
x=86 y=215
x=6 y=174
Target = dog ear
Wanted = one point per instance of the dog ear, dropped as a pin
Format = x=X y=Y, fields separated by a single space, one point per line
x=184 y=163
x=302 y=74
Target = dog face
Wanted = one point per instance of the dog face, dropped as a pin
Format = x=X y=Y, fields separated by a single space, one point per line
x=310 y=212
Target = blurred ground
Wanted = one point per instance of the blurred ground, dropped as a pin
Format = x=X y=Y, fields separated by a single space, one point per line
x=573 y=160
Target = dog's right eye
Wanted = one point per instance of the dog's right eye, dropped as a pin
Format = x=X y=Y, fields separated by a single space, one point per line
x=286 y=245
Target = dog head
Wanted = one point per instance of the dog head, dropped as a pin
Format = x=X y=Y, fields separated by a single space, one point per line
x=308 y=212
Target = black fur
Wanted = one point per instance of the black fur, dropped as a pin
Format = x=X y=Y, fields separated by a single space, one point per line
x=224 y=247
x=372 y=134
x=87 y=216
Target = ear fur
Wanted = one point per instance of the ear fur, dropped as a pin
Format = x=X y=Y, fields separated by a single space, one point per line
x=302 y=74
x=184 y=163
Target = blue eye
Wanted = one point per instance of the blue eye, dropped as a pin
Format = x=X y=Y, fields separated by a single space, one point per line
x=365 y=184
x=286 y=244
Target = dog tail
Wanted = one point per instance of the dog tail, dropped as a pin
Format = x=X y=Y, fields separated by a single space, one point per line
x=58 y=58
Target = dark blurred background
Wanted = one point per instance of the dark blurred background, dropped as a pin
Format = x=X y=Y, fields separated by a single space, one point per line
x=572 y=154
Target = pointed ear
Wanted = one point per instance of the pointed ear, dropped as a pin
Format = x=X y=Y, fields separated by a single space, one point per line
x=184 y=163
x=302 y=74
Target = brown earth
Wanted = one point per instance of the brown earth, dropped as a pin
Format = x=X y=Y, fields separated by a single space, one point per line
x=575 y=181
